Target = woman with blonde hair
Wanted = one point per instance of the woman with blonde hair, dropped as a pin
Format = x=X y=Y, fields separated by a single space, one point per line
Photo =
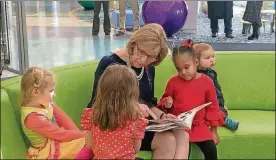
x=146 y=48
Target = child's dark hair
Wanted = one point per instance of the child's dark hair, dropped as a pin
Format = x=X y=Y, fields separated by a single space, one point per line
x=185 y=48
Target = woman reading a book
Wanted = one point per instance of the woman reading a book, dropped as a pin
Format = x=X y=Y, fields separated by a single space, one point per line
x=146 y=48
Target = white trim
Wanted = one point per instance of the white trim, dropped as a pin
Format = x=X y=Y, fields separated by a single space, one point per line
x=245 y=52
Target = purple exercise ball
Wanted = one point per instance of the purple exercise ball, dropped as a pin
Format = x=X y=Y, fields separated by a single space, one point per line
x=171 y=15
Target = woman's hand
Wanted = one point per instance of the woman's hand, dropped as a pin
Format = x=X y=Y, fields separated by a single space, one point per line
x=168 y=102
x=144 y=111
x=169 y=117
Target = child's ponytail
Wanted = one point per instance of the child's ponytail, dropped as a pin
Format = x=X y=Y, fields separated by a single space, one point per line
x=37 y=77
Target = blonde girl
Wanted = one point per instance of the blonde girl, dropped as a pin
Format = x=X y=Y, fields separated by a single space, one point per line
x=52 y=134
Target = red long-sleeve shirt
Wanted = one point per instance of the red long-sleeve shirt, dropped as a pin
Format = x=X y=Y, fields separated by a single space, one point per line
x=187 y=95
x=63 y=130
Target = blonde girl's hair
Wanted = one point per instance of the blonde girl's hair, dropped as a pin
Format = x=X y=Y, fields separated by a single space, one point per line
x=33 y=77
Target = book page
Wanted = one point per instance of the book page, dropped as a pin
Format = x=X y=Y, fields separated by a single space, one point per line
x=184 y=121
x=183 y=116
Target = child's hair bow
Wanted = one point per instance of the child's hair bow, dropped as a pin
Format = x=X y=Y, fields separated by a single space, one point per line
x=188 y=43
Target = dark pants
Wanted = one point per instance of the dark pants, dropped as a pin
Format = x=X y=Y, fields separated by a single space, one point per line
x=256 y=29
x=146 y=142
x=96 y=19
x=209 y=149
x=227 y=26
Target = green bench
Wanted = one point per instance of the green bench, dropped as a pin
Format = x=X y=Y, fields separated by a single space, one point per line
x=248 y=84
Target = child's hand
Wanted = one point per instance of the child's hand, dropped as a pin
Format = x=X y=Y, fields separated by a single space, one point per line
x=168 y=102
x=216 y=137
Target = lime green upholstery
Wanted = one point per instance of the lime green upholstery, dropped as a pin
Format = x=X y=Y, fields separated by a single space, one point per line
x=247 y=81
x=13 y=145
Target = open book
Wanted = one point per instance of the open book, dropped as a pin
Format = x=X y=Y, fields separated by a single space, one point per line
x=184 y=121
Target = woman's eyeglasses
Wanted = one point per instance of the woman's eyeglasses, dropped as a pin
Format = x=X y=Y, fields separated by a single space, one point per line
x=142 y=54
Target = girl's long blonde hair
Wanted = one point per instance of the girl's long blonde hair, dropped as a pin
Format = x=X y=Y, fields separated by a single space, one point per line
x=116 y=98
x=33 y=77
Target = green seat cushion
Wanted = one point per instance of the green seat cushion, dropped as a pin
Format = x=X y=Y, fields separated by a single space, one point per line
x=255 y=137
x=252 y=122
x=144 y=154
x=13 y=144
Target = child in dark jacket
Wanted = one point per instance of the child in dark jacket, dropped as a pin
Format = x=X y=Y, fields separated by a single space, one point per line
x=206 y=57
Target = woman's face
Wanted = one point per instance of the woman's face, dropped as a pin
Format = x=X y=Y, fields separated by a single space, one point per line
x=141 y=58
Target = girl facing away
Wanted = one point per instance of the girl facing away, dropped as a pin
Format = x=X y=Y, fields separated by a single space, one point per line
x=188 y=90
x=206 y=57
x=52 y=134
x=117 y=128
